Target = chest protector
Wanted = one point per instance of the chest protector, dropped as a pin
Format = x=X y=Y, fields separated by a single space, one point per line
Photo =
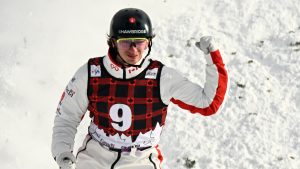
x=125 y=106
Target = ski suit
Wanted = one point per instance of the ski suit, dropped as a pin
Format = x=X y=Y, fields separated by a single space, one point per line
x=128 y=107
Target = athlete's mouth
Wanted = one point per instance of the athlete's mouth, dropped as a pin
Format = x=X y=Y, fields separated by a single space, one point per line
x=132 y=55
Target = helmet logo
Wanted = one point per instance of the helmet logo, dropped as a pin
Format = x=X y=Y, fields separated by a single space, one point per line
x=132 y=20
x=132 y=31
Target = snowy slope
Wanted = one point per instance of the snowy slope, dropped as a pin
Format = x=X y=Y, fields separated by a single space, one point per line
x=43 y=42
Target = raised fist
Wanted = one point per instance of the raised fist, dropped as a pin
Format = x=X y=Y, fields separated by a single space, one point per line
x=206 y=44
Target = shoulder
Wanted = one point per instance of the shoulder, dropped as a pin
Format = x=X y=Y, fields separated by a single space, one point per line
x=95 y=60
x=83 y=71
x=155 y=64
x=168 y=72
x=81 y=74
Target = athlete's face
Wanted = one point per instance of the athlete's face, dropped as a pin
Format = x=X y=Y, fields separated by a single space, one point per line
x=131 y=49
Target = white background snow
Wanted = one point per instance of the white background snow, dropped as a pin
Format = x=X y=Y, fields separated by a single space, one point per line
x=43 y=42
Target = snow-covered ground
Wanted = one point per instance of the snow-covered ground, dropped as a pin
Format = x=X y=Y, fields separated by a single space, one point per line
x=43 y=42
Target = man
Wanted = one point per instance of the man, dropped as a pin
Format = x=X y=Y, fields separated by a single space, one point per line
x=127 y=95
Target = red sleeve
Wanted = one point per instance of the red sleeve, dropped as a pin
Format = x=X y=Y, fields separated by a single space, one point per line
x=220 y=90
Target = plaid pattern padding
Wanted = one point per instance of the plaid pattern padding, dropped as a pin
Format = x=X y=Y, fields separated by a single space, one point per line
x=141 y=95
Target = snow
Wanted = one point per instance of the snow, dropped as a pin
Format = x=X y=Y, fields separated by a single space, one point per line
x=43 y=42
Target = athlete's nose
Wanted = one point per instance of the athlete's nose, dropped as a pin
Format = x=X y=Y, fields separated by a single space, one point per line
x=132 y=44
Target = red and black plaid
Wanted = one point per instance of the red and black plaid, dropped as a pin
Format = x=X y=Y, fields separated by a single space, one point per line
x=141 y=95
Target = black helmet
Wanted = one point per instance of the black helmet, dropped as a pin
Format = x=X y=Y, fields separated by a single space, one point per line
x=131 y=22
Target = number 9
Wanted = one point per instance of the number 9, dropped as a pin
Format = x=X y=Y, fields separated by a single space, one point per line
x=121 y=117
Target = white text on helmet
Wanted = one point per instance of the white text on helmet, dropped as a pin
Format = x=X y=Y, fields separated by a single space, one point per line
x=132 y=31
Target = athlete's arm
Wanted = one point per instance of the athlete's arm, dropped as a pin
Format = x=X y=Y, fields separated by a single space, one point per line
x=70 y=112
x=205 y=100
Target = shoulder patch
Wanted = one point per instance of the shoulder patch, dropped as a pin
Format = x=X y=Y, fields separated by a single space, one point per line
x=95 y=71
x=151 y=73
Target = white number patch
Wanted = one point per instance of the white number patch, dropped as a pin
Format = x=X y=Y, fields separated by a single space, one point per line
x=121 y=117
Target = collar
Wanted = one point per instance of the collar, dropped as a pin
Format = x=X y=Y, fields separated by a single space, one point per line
x=117 y=71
